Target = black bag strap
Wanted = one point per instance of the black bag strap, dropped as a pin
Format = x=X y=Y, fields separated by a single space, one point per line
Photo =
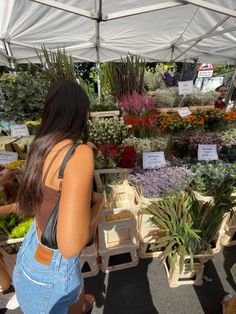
x=65 y=161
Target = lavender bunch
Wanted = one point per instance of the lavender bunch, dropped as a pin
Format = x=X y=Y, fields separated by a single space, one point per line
x=157 y=183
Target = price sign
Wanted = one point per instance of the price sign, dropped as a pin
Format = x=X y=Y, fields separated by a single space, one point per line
x=185 y=88
x=184 y=112
x=153 y=160
x=18 y=130
x=207 y=152
x=7 y=157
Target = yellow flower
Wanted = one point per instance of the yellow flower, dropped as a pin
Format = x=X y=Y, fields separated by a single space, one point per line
x=15 y=164
x=33 y=123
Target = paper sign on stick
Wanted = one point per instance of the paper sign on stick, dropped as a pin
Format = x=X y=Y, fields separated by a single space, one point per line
x=185 y=88
x=153 y=160
x=207 y=152
x=18 y=130
x=7 y=157
x=184 y=112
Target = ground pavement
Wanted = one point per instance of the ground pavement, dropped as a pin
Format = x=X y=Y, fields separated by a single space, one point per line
x=144 y=289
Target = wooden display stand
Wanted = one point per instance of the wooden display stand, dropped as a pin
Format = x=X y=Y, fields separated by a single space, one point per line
x=104 y=114
x=191 y=108
x=117 y=240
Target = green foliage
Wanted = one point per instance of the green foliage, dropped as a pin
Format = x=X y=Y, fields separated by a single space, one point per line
x=209 y=216
x=177 y=235
x=153 y=78
x=59 y=65
x=186 y=226
x=24 y=96
x=208 y=176
x=13 y=227
x=21 y=229
x=107 y=104
x=126 y=76
x=8 y=222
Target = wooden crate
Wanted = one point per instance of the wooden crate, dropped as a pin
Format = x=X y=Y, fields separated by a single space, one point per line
x=144 y=250
x=187 y=276
x=89 y=265
x=229 y=237
x=117 y=229
x=118 y=259
x=123 y=196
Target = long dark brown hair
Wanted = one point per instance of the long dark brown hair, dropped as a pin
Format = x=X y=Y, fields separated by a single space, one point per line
x=65 y=117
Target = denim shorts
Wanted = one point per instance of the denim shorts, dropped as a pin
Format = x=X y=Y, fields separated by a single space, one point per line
x=42 y=289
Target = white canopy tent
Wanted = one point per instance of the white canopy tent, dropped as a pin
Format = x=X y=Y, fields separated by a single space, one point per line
x=104 y=30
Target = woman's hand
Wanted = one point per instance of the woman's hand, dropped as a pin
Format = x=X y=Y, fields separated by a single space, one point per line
x=10 y=175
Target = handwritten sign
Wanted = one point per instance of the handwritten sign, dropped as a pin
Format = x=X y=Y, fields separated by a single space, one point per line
x=207 y=152
x=18 y=130
x=185 y=88
x=7 y=157
x=184 y=112
x=153 y=160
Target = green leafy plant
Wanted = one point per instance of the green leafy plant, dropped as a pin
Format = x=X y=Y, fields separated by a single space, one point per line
x=209 y=216
x=177 y=235
x=59 y=65
x=125 y=76
x=24 y=96
x=21 y=229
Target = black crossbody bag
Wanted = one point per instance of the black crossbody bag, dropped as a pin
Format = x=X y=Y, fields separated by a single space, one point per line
x=48 y=237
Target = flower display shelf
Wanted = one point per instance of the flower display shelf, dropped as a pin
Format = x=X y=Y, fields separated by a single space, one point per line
x=99 y=172
x=104 y=114
x=188 y=276
x=191 y=108
x=229 y=237
x=89 y=261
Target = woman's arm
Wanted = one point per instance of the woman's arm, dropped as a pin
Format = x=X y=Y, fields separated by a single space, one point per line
x=8 y=176
x=8 y=209
x=74 y=217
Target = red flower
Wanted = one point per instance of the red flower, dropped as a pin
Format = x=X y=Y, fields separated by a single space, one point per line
x=127 y=161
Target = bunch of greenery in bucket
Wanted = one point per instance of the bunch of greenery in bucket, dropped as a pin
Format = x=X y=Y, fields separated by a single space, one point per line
x=125 y=76
x=139 y=112
x=108 y=131
x=209 y=175
x=185 y=226
x=13 y=227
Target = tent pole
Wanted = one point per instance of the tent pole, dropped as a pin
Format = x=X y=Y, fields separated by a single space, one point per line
x=98 y=20
x=231 y=88
x=9 y=56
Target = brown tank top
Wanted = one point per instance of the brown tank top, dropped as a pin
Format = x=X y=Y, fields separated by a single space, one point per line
x=50 y=197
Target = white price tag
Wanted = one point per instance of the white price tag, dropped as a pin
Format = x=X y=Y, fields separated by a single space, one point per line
x=18 y=130
x=207 y=152
x=184 y=112
x=7 y=157
x=153 y=160
x=185 y=88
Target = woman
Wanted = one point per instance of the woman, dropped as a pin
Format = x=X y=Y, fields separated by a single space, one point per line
x=49 y=280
